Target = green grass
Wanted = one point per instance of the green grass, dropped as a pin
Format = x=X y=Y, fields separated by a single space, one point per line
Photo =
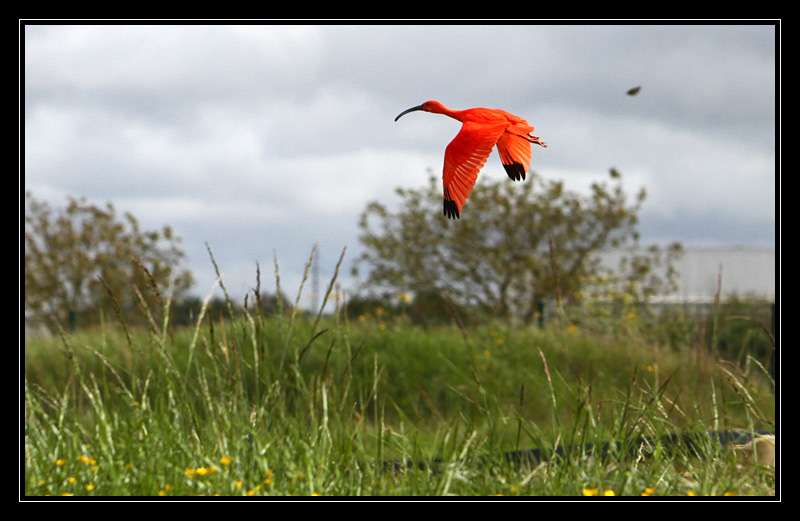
x=300 y=407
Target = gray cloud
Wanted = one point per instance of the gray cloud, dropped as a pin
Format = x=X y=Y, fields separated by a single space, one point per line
x=261 y=138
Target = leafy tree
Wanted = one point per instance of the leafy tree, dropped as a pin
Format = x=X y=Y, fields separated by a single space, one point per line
x=82 y=259
x=516 y=245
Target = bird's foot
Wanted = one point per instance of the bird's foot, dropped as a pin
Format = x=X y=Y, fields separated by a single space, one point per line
x=539 y=141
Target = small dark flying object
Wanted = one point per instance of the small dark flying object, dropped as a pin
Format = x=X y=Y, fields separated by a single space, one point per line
x=634 y=91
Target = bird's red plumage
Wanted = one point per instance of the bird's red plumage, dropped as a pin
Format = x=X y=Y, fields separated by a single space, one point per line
x=481 y=129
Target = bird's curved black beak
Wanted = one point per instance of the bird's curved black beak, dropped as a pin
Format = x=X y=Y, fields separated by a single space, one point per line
x=412 y=109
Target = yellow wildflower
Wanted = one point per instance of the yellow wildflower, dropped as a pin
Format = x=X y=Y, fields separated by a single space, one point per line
x=167 y=487
x=729 y=493
x=691 y=493
x=162 y=492
x=238 y=484
x=90 y=487
x=572 y=329
x=590 y=491
x=649 y=491
x=609 y=493
x=268 y=478
x=189 y=472
x=225 y=460
x=315 y=493
x=87 y=460
x=72 y=480
x=204 y=471
x=252 y=491
x=67 y=494
x=60 y=462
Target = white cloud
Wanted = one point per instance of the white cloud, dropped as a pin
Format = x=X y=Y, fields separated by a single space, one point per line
x=260 y=138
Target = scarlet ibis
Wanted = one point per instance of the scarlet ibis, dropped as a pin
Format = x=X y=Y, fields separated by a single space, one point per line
x=464 y=157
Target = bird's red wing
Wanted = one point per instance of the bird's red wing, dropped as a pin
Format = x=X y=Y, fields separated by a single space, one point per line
x=515 y=154
x=463 y=159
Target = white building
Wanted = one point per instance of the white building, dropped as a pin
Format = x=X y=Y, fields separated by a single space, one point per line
x=745 y=271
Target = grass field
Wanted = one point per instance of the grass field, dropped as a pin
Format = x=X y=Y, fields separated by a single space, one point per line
x=296 y=405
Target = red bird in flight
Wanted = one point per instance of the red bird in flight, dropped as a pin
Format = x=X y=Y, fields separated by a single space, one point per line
x=464 y=157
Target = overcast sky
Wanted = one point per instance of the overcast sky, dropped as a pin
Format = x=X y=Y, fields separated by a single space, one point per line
x=267 y=138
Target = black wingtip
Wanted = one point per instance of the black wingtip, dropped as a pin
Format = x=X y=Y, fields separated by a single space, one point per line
x=515 y=171
x=451 y=210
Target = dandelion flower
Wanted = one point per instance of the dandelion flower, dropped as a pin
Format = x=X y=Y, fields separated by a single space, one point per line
x=67 y=494
x=609 y=493
x=87 y=460
x=691 y=493
x=162 y=493
x=189 y=472
x=315 y=493
x=203 y=472
x=60 y=462
x=225 y=460
x=90 y=487
x=572 y=329
x=268 y=478
x=649 y=491
x=72 y=480
x=238 y=484
x=590 y=491
x=729 y=493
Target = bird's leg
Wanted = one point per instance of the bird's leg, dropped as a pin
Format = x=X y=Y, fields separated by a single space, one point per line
x=538 y=141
